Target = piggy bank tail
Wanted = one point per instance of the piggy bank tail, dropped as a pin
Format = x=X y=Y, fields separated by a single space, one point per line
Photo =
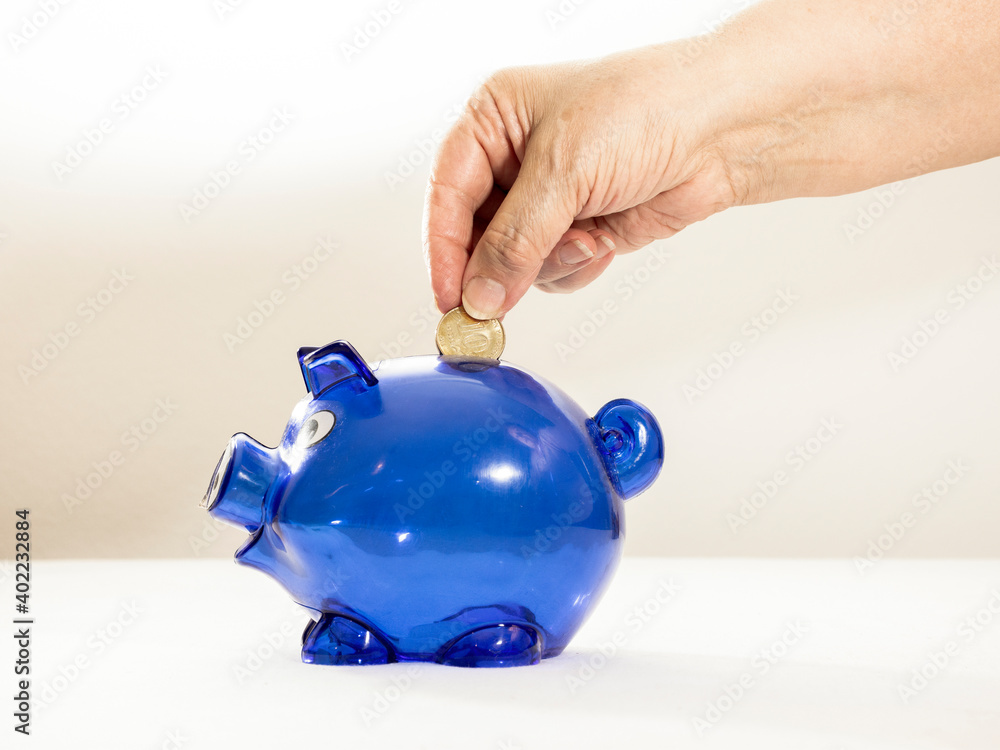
x=630 y=441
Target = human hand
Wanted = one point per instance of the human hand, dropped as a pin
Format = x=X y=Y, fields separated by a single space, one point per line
x=553 y=170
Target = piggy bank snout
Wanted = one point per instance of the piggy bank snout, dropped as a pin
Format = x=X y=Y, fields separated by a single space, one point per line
x=241 y=481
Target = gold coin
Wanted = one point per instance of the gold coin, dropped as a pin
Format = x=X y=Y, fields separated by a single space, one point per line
x=460 y=334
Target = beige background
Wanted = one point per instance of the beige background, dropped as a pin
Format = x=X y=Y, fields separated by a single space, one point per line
x=325 y=175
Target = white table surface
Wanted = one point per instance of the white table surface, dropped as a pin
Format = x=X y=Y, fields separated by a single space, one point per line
x=169 y=676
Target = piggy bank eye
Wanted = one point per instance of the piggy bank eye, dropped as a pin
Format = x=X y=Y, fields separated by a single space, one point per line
x=315 y=428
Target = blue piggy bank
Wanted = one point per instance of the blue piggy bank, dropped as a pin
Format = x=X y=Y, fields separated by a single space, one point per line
x=432 y=508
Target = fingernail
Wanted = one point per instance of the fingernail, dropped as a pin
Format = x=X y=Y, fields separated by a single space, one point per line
x=483 y=298
x=574 y=252
x=608 y=243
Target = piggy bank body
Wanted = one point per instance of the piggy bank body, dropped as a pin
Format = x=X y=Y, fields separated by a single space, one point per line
x=446 y=509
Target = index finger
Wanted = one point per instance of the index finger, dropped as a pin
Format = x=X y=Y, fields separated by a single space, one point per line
x=473 y=157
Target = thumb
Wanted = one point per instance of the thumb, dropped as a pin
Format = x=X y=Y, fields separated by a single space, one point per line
x=530 y=221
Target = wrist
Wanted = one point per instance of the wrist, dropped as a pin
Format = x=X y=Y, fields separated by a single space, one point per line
x=769 y=124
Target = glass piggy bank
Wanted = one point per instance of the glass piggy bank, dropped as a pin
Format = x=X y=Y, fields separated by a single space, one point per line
x=434 y=508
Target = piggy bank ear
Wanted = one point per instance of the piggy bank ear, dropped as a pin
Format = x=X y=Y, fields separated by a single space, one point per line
x=329 y=365
x=629 y=438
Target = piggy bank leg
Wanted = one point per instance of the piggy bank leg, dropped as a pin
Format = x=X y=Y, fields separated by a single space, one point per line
x=338 y=640
x=495 y=646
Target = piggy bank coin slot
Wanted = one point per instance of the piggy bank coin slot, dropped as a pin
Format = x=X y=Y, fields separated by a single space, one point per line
x=474 y=366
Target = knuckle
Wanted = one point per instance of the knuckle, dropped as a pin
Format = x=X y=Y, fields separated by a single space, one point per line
x=502 y=104
x=511 y=248
x=493 y=93
x=504 y=81
x=496 y=107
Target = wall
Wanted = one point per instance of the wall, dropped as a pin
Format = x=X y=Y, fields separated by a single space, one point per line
x=150 y=379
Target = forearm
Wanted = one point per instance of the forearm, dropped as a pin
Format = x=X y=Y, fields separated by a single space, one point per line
x=834 y=96
x=792 y=98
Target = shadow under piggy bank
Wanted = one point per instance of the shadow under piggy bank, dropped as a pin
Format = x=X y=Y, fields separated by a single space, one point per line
x=447 y=509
